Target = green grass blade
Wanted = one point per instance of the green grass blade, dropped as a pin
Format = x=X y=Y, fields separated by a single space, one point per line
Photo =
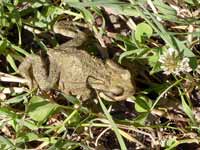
x=114 y=127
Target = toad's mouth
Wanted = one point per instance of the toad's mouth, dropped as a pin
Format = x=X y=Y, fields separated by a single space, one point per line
x=109 y=96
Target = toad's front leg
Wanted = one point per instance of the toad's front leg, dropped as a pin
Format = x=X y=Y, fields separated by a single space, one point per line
x=39 y=73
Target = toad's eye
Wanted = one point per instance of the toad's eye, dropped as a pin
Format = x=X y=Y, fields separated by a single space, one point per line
x=126 y=75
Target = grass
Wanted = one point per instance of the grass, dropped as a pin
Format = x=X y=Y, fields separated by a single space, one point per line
x=162 y=114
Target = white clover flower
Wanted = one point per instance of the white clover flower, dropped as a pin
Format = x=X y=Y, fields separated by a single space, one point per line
x=184 y=65
x=171 y=51
x=171 y=63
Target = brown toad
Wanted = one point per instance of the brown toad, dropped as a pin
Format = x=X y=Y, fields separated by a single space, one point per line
x=75 y=72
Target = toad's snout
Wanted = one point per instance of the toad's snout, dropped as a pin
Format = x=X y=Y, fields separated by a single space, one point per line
x=117 y=90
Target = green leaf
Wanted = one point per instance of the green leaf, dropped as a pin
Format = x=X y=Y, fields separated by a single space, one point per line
x=61 y=144
x=39 y=109
x=27 y=123
x=193 y=62
x=17 y=48
x=133 y=54
x=71 y=99
x=142 y=104
x=153 y=61
x=143 y=31
x=141 y=118
x=72 y=119
x=192 y=2
x=27 y=137
x=3 y=45
x=165 y=9
x=125 y=54
x=11 y=62
x=123 y=10
x=5 y=112
x=187 y=109
x=75 y=120
x=16 y=99
x=170 y=142
x=6 y=142
x=87 y=15
x=36 y=3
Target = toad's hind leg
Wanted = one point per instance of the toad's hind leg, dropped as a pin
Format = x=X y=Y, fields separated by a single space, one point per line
x=45 y=75
x=44 y=79
x=25 y=69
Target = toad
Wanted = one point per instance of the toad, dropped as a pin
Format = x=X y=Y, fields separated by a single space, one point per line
x=75 y=72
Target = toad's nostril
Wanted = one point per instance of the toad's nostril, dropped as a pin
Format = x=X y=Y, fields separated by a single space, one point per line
x=117 y=90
